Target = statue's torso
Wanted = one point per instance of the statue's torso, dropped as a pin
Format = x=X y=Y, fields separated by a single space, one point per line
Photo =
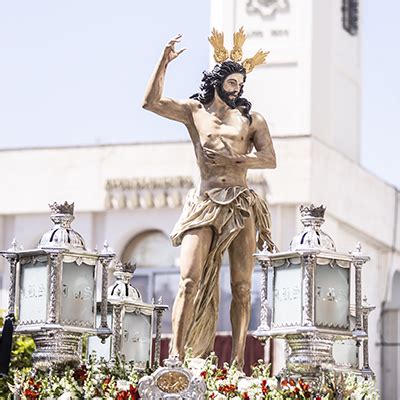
x=206 y=131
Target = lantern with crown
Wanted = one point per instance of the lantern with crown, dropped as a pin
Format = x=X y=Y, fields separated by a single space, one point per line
x=132 y=323
x=306 y=297
x=53 y=290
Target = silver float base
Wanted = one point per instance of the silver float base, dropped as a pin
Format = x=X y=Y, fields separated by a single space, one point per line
x=309 y=354
x=56 y=349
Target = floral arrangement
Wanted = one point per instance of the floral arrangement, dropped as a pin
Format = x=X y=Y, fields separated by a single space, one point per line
x=230 y=383
x=94 y=380
x=98 y=380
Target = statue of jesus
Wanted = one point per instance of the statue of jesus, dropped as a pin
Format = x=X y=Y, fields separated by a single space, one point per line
x=222 y=213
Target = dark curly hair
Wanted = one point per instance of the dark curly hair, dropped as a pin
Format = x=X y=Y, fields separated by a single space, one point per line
x=214 y=80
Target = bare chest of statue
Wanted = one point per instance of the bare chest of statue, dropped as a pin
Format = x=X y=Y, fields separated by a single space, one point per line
x=231 y=126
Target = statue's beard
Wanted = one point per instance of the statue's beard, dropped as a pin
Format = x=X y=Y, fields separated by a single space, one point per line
x=225 y=97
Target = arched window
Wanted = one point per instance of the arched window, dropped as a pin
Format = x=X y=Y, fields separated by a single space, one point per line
x=157 y=270
x=151 y=249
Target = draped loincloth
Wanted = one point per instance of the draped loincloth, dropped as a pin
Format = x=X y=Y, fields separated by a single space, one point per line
x=224 y=210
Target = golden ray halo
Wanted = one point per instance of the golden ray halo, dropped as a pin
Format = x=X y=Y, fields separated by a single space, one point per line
x=221 y=54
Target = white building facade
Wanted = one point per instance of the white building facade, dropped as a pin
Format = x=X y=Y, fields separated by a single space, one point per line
x=309 y=93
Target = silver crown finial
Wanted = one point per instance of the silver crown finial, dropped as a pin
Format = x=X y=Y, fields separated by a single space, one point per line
x=14 y=244
x=312 y=211
x=65 y=208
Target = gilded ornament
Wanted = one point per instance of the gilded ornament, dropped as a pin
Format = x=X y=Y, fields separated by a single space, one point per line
x=173 y=382
x=259 y=58
x=221 y=53
x=239 y=38
x=217 y=41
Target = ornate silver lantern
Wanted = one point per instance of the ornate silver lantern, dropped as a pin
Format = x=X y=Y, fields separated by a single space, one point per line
x=132 y=323
x=53 y=291
x=306 y=296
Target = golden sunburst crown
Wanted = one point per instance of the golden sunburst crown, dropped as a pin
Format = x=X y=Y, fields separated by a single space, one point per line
x=217 y=41
x=221 y=54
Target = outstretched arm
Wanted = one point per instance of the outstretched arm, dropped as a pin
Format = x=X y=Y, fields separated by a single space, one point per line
x=263 y=157
x=154 y=100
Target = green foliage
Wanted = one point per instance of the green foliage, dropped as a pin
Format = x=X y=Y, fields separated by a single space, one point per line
x=21 y=358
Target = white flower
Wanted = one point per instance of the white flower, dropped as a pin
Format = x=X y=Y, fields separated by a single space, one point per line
x=245 y=384
x=122 y=384
x=65 y=396
x=220 y=396
x=272 y=382
x=196 y=365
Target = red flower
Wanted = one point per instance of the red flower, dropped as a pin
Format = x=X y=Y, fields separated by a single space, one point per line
x=134 y=392
x=284 y=382
x=225 y=389
x=245 y=396
x=221 y=374
x=292 y=382
x=264 y=386
x=35 y=386
x=203 y=374
x=30 y=394
x=123 y=395
x=33 y=391
x=318 y=398
x=80 y=374
x=106 y=381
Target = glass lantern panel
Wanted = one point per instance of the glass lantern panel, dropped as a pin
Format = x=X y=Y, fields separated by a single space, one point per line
x=77 y=300
x=332 y=297
x=137 y=338
x=287 y=296
x=345 y=353
x=103 y=350
x=33 y=297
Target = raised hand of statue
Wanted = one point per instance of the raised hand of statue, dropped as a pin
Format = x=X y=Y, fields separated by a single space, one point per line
x=169 y=51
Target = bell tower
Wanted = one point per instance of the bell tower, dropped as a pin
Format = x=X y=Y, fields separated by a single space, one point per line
x=310 y=84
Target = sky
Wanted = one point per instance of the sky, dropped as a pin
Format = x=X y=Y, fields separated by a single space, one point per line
x=74 y=73
x=380 y=132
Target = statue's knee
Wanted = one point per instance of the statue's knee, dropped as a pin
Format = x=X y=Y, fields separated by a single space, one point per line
x=188 y=286
x=241 y=292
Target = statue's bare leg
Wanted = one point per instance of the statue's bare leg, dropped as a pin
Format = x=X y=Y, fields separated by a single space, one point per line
x=242 y=264
x=194 y=250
